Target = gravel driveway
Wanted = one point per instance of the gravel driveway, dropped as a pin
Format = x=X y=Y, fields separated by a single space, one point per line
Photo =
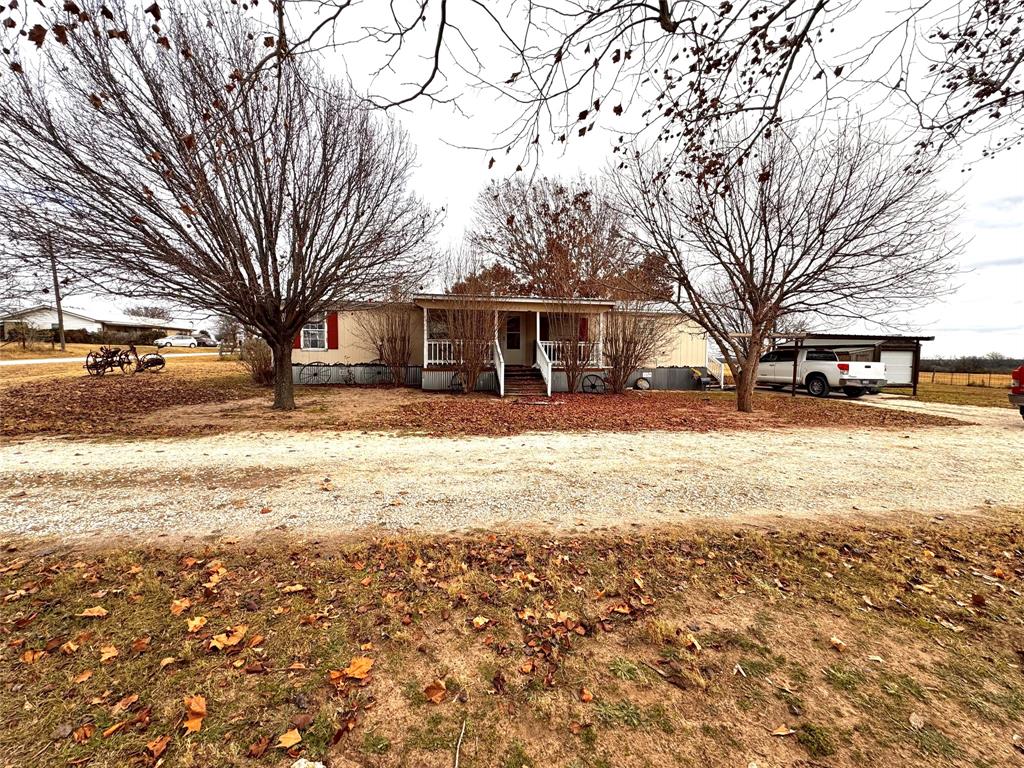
x=238 y=485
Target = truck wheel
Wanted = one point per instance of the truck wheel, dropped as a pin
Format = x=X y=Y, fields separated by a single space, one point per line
x=817 y=385
x=853 y=392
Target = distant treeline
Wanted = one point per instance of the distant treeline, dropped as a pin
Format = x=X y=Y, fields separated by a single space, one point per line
x=993 y=362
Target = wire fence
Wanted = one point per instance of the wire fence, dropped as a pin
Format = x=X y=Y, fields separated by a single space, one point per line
x=966 y=379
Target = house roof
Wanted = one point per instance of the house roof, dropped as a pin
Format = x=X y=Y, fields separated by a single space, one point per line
x=107 y=318
x=513 y=299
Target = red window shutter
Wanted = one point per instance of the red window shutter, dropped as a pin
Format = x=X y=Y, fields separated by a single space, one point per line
x=332 y=330
x=584 y=329
x=298 y=341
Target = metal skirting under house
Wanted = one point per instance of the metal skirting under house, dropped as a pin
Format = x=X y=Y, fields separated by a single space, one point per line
x=361 y=373
x=442 y=380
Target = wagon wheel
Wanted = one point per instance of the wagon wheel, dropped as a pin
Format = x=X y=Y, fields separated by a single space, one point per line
x=95 y=365
x=152 y=362
x=593 y=384
x=314 y=373
x=455 y=385
x=126 y=364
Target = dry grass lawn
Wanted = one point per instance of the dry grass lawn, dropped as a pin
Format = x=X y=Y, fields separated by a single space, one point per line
x=960 y=394
x=815 y=646
x=40 y=351
x=206 y=396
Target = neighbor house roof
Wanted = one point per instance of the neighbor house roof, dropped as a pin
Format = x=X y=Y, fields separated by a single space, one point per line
x=107 y=318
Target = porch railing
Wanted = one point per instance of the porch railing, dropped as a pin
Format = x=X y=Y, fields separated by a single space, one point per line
x=717 y=369
x=449 y=352
x=499 y=368
x=544 y=363
x=557 y=351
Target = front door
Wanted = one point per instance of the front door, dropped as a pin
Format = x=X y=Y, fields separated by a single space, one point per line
x=512 y=348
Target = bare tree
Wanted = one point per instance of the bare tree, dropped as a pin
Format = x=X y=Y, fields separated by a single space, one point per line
x=152 y=311
x=470 y=318
x=268 y=208
x=563 y=241
x=388 y=327
x=572 y=66
x=837 y=227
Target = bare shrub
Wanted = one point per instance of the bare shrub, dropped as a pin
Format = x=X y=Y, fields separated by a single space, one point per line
x=471 y=320
x=388 y=329
x=633 y=334
x=258 y=359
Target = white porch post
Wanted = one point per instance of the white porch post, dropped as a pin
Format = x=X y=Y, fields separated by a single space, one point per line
x=426 y=336
x=537 y=315
x=600 y=339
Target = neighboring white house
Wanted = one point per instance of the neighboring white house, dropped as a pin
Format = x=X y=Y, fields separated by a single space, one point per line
x=44 y=317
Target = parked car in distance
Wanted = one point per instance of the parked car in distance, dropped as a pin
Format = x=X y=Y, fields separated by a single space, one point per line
x=819 y=371
x=207 y=341
x=1017 y=388
x=179 y=340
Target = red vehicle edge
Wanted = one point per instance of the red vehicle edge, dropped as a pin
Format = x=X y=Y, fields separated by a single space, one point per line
x=1017 y=388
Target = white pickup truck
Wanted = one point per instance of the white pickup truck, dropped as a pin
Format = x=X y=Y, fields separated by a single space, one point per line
x=819 y=371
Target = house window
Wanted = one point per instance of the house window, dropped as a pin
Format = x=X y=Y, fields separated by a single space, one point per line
x=314 y=334
x=513 y=332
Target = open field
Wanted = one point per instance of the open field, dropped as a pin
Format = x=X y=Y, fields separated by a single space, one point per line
x=959 y=394
x=966 y=379
x=37 y=350
x=775 y=645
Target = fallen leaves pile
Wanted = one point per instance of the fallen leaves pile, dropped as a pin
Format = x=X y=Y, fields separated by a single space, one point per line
x=106 y=405
x=634 y=412
x=802 y=643
x=86 y=405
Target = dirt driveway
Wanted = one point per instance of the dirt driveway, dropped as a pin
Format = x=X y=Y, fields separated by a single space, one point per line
x=243 y=484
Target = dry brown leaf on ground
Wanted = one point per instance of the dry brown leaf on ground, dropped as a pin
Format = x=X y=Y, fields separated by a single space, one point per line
x=178 y=606
x=358 y=668
x=233 y=636
x=289 y=739
x=586 y=696
x=96 y=612
x=158 y=746
x=196 y=623
x=108 y=652
x=436 y=691
x=259 y=747
x=195 y=711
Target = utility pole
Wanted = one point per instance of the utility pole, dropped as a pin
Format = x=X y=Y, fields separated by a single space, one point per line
x=56 y=291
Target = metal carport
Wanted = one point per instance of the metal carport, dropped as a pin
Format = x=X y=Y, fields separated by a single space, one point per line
x=901 y=354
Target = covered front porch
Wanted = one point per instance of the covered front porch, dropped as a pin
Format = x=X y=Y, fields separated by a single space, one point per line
x=532 y=338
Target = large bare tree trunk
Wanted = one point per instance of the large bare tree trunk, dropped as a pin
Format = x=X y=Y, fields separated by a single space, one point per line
x=747 y=377
x=745 y=390
x=284 y=390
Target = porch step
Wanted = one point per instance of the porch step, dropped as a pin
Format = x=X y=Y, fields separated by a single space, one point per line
x=524 y=381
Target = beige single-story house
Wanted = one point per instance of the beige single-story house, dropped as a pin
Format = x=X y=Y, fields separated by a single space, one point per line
x=44 y=317
x=526 y=356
